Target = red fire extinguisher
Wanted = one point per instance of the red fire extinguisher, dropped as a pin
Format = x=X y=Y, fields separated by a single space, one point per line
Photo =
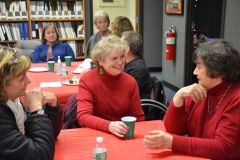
x=170 y=44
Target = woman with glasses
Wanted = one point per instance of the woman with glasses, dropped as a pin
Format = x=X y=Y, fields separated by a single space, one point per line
x=106 y=93
x=101 y=22
x=51 y=47
x=28 y=127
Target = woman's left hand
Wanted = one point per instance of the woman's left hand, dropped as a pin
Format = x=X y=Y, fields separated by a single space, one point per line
x=158 y=140
x=49 y=98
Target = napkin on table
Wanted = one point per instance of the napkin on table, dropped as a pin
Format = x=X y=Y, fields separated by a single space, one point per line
x=50 y=84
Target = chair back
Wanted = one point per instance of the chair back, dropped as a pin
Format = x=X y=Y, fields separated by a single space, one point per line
x=27 y=46
x=157 y=95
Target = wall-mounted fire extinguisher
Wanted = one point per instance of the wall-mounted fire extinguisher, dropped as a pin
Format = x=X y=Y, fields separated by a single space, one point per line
x=170 y=44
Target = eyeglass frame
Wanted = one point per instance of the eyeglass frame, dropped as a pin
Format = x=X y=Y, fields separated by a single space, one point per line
x=15 y=57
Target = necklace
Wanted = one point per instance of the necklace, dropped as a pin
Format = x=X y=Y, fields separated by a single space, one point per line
x=210 y=112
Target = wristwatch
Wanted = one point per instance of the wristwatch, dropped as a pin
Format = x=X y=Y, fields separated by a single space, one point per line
x=39 y=111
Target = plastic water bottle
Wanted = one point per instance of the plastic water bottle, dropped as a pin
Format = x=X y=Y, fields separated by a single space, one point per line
x=64 y=71
x=59 y=66
x=100 y=151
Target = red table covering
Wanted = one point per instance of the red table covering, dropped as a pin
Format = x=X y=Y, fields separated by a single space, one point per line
x=78 y=144
x=62 y=93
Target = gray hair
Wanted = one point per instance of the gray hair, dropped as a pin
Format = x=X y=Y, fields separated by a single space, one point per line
x=134 y=41
x=101 y=14
x=220 y=59
x=106 y=46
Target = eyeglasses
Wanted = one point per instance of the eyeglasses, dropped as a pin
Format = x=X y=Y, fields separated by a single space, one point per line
x=15 y=56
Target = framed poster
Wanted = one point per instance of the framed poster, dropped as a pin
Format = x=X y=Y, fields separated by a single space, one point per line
x=117 y=3
x=174 y=6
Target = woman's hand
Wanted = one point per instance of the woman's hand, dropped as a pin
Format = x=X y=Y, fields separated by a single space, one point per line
x=158 y=140
x=49 y=98
x=195 y=91
x=33 y=99
x=118 y=128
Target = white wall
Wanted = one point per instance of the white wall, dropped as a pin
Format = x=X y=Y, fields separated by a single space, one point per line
x=128 y=10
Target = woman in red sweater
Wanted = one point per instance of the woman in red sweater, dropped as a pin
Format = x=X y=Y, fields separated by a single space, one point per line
x=106 y=93
x=207 y=112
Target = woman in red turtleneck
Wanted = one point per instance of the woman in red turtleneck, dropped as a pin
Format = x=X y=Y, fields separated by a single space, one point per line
x=106 y=93
x=207 y=112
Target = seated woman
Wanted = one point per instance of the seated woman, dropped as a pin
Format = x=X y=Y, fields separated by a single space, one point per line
x=28 y=129
x=102 y=22
x=51 y=47
x=106 y=93
x=208 y=112
x=121 y=24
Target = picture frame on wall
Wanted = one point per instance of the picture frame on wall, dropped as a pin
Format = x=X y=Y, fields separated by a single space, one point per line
x=174 y=7
x=116 y=3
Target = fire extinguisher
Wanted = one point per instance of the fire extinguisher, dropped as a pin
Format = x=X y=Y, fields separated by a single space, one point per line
x=170 y=44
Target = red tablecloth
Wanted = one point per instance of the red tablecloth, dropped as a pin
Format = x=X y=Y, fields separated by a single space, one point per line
x=63 y=92
x=74 y=144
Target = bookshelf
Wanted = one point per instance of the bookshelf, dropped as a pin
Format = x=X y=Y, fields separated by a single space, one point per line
x=66 y=15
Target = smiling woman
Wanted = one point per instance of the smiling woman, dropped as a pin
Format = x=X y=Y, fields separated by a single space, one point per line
x=112 y=91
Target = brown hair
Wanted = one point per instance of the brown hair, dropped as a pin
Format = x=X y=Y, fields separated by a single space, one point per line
x=121 y=24
x=44 y=30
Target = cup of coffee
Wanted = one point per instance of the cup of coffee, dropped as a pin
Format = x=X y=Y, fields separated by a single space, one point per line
x=130 y=122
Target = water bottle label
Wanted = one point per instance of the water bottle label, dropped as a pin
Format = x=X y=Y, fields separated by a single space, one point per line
x=100 y=156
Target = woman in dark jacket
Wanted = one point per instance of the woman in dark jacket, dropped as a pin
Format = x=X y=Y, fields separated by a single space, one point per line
x=26 y=132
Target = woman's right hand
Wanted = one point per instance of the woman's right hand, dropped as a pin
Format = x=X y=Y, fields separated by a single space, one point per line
x=33 y=99
x=118 y=128
x=196 y=91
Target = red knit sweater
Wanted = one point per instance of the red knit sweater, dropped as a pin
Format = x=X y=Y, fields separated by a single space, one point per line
x=215 y=136
x=105 y=98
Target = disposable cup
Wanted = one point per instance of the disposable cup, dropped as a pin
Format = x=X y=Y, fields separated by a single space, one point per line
x=51 y=66
x=130 y=122
x=68 y=60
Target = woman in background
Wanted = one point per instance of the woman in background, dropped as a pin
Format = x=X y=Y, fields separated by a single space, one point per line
x=28 y=129
x=106 y=93
x=101 y=22
x=51 y=47
x=121 y=24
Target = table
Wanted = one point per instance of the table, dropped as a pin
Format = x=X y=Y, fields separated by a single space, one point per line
x=74 y=144
x=62 y=93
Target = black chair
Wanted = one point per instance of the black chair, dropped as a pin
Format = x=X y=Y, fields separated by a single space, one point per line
x=153 y=109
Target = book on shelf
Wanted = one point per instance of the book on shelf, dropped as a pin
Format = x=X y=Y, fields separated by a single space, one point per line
x=26 y=31
x=1 y=34
x=12 y=30
x=37 y=30
x=10 y=16
x=4 y=31
x=9 y=34
x=34 y=35
x=81 y=48
x=17 y=15
x=24 y=15
x=21 y=30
